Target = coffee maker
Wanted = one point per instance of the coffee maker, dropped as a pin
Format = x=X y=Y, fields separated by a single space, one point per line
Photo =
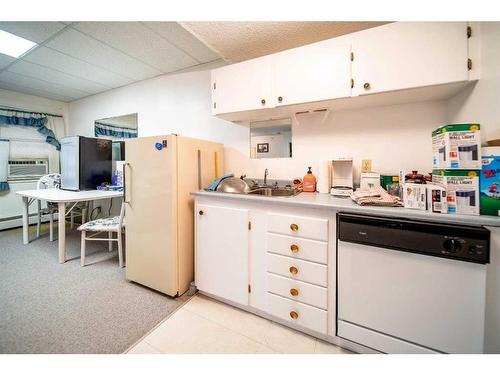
x=342 y=177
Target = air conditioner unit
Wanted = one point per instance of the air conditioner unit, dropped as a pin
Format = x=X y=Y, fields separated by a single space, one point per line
x=27 y=169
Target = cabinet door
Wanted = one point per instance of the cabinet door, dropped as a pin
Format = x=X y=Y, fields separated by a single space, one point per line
x=222 y=252
x=315 y=72
x=409 y=54
x=242 y=87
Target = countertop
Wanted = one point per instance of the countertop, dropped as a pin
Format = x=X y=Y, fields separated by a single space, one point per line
x=317 y=200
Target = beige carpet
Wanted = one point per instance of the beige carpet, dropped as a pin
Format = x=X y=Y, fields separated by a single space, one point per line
x=47 y=307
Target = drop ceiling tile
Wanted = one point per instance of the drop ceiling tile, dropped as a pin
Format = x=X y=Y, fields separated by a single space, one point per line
x=183 y=39
x=31 y=91
x=83 y=47
x=5 y=60
x=50 y=75
x=35 y=31
x=139 y=41
x=73 y=66
x=39 y=84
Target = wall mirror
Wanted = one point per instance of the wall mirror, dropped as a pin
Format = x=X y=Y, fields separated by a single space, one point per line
x=271 y=139
x=117 y=128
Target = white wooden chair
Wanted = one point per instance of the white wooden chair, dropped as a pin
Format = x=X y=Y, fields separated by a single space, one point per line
x=49 y=181
x=110 y=225
x=53 y=181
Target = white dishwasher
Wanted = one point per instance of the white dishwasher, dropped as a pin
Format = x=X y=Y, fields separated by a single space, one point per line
x=411 y=287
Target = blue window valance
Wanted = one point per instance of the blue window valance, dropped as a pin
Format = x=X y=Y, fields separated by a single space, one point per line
x=31 y=119
x=109 y=130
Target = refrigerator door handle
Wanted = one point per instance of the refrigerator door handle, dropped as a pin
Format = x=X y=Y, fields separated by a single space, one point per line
x=199 y=170
x=125 y=165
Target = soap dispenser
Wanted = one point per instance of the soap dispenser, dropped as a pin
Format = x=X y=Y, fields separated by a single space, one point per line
x=309 y=182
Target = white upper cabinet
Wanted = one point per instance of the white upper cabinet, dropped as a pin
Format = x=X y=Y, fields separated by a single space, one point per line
x=404 y=55
x=396 y=56
x=242 y=87
x=315 y=72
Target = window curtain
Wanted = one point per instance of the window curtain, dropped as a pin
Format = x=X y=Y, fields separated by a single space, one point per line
x=109 y=130
x=4 y=159
x=32 y=119
x=57 y=125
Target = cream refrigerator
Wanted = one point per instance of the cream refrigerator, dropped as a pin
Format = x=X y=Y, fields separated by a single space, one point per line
x=160 y=172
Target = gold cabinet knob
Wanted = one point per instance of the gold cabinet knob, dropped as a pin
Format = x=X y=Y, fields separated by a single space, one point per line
x=294 y=227
x=294 y=314
x=294 y=248
x=294 y=292
x=294 y=270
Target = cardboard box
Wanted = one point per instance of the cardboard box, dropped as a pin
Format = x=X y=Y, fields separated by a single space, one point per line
x=490 y=186
x=437 y=199
x=430 y=197
x=457 y=146
x=415 y=196
x=462 y=190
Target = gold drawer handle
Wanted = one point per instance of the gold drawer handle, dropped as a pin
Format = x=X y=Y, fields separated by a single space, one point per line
x=294 y=315
x=294 y=292
x=294 y=270
x=294 y=248
x=294 y=227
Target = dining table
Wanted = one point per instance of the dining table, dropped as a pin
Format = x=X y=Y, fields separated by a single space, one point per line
x=63 y=199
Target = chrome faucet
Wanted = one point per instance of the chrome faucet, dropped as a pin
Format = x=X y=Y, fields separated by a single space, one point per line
x=266 y=172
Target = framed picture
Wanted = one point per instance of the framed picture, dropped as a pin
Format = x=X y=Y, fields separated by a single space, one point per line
x=262 y=147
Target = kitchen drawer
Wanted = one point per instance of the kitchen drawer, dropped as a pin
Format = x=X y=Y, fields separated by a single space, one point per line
x=297 y=290
x=303 y=315
x=306 y=271
x=314 y=251
x=298 y=226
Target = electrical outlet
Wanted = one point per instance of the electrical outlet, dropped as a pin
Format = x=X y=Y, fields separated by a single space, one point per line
x=366 y=166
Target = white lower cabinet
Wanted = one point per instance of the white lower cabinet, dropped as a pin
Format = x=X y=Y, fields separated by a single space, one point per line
x=298 y=248
x=298 y=291
x=297 y=313
x=251 y=256
x=221 y=261
x=297 y=269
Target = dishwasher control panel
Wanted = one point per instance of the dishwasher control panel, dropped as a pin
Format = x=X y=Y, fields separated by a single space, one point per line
x=459 y=242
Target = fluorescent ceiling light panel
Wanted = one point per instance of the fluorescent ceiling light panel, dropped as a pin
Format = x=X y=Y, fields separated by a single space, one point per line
x=14 y=45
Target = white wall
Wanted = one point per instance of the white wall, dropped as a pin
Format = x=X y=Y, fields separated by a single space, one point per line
x=10 y=203
x=181 y=104
x=393 y=137
x=167 y=104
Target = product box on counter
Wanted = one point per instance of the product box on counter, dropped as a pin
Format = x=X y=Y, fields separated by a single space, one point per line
x=415 y=196
x=430 y=197
x=462 y=189
x=456 y=146
x=437 y=199
x=490 y=186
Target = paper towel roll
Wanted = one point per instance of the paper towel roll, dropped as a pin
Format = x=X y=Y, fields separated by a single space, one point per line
x=324 y=177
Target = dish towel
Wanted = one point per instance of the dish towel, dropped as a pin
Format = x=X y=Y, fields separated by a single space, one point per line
x=375 y=196
x=217 y=181
x=4 y=160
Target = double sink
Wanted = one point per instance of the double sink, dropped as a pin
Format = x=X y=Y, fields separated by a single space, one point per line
x=246 y=186
x=274 y=191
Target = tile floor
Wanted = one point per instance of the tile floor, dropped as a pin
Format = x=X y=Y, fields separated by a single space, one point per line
x=204 y=325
